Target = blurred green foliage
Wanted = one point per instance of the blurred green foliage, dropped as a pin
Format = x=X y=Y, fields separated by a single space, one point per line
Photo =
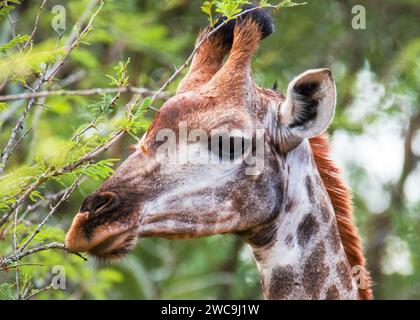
x=154 y=36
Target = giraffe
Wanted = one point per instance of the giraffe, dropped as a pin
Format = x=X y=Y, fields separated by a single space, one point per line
x=294 y=211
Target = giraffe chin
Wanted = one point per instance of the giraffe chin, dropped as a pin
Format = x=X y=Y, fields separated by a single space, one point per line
x=115 y=247
x=106 y=243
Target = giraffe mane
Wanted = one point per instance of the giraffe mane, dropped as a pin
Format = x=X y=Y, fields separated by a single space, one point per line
x=340 y=197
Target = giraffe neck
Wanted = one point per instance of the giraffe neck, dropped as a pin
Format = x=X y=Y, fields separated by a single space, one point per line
x=302 y=256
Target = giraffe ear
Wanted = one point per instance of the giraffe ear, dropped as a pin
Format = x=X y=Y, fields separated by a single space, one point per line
x=309 y=105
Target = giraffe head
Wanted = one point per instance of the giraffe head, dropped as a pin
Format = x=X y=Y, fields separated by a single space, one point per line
x=211 y=161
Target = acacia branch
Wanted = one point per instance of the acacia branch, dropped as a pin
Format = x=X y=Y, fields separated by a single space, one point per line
x=143 y=92
x=41 y=179
x=77 y=37
x=92 y=154
x=20 y=252
x=21 y=265
x=47 y=75
x=57 y=172
x=65 y=196
x=16 y=256
x=32 y=294
x=19 y=125
x=31 y=36
x=20 y=140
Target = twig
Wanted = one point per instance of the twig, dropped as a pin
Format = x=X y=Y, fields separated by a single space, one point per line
x=78 y=36
x=48 y=199
x=17 y=278
x=12 y=29
x=22 y=198
x=43 y=177
x=83 y=92
x=36 y=292
x=31 y=36
x=9 y=78
x=47 y=75
x=93 y=122
x=19 y=125
x=92 y=154
x=16 y=256
x=81 y=132
x=27 y=291
x=65 y=196
x=20 y=140
x=22 y=265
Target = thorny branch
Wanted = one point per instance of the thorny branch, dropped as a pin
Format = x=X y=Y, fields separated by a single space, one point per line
x=78 y=36
x=19 y=252
x=29 y=295
x=19 y=125
x=65 y=196
x=69 y=168
x=83 y=92
x=12 y=258
x=47 y=75
x=38 y=15
x=21 y=265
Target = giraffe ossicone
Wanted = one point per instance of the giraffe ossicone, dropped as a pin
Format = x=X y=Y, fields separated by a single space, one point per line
x=293 y=210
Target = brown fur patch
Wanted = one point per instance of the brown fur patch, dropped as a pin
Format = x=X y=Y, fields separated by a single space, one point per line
x=334 y=238
x=289 y=205
x=289 y=239
x=281 y=282
x=341 y=201
x=344 y=273
x=325 y=213
x=265 y=236
x=332 y=293
x=307 y=229
x=315 y=271
x=310 y=189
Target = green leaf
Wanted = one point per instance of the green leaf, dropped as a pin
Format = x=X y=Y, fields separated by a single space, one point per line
x=35 y=195
x=147 y=102
x=289 y=3
x=22 y=64
x=14 y=42
x=122 y=78
x=207 y=8
x=6 y=292
x=5 y=10
x=46 y=234
x=99 y=170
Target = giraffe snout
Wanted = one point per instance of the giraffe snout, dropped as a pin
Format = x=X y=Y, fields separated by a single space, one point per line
x=100 y=203
x=105 y=227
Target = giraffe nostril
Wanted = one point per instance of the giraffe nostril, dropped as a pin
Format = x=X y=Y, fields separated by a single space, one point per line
x=100 y=202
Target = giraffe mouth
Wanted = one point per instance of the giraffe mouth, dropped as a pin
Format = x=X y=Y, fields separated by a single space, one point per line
x=115 y=247
x=107 y=242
